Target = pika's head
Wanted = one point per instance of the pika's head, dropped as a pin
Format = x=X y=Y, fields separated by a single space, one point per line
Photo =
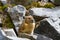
x=29 y=19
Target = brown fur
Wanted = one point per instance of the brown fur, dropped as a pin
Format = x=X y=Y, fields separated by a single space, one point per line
x=27 y=26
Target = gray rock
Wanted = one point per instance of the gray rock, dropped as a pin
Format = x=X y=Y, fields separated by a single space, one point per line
x=57 y=2
x=45 y=28
x=2 y=37
x=22 y=35
x=17 y=13
x=42 y=37
x=45 y=12
x=4 y=1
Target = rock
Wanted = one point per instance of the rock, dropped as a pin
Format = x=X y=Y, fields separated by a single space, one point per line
x=38 y=18
x=18 y=9
x=17 y=38
x=56 y=2
x=9 y=34
x=17 y=13
x=49 y=28
x=35 y=37
x=2 y=37
x=4 y=1
x=46 y=0
x=22 y=35
x=45 y=12
x=10 y=1
x=42 y=37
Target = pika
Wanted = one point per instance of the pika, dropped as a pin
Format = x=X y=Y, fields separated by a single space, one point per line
x=27 y=26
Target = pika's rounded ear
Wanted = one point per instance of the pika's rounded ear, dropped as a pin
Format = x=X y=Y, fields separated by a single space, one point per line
x=27 y=13
x=23 y=17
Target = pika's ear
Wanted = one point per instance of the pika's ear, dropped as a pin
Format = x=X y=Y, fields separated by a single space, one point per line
x=27 y=13
x=23 y=17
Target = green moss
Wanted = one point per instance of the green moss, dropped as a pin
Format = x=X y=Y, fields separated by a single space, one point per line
x=33 y=4
x=49 y=5
x=13 y=4
x=1 y=3
x=0 y=8
x=23 y=2
x=36 y=4
x=8 y=22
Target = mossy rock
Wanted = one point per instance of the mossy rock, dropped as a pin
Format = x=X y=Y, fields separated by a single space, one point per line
x=7 y=22
x=32 y=5
x=39 y=5
x=49 y=5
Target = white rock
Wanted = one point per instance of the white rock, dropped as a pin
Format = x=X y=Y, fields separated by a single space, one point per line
x=4 y=1
x=18 y=9
x=15 y=11
x=16 y=38
x=46 y=12
x=54 y=23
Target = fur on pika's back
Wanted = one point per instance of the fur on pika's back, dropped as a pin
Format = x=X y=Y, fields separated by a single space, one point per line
x=27 y=26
